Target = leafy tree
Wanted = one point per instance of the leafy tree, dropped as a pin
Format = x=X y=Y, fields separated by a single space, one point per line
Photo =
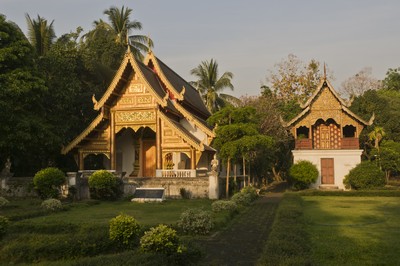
x=238 y=138
x=118 y=28
x=392 y=79
x=25 y=134
x=360 y=83
x=388 y=158
x=41 y=35
x=293 y=79
x=210 y=84
x=376 y=136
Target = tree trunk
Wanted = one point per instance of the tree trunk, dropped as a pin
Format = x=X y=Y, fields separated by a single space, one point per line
x=227 y=177
x=244 y=171
x=277 y=175
x=234 y=175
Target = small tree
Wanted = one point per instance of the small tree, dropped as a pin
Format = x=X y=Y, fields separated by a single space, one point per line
x=47 y=182
x=103 y=185
x=366 y=175
x=303 y=173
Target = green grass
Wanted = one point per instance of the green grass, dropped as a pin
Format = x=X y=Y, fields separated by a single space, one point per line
x=149 y=214
x=353 y=230
x=81 y=230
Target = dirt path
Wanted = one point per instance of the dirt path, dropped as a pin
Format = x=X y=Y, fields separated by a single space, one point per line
x=243 y=241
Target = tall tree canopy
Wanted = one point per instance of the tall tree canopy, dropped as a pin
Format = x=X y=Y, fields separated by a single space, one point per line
x=210 y=85
x=294 y=80
x=41 y=34
x=359 y=83
x=117 y=29
x=25 y=134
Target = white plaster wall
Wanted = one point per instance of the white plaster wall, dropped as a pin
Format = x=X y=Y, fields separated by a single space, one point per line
x=344 y=161
x=125 y=145
x=200 y=135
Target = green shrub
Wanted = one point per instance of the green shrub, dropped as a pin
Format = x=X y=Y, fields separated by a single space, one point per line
x=52 y=205
x=161 y=239
x=224 y=205
x=252 y=191
x=302 y=174
x=104 y=185
x=365 y=175
x=242 y=199
x=3 y=225
x=124 y=229
x=196 y=221
x=47 y=182
x=3 y=202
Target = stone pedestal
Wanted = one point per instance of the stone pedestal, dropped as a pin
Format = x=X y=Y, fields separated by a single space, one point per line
x=213 y=185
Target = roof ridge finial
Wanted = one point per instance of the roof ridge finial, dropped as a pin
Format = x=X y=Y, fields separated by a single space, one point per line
x=324 y=71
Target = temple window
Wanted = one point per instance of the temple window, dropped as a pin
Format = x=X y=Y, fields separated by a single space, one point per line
x=349 y=131
x=302 y=132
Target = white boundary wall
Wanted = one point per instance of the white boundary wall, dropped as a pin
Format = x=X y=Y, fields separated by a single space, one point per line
x=344 y=161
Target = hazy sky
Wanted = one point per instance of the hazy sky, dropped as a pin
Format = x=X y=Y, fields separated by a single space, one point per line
x=246 y=37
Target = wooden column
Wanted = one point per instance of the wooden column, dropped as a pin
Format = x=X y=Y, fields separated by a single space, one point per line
x=193 y=159
x=158 y=144
x=113 y=155
x=81 y=161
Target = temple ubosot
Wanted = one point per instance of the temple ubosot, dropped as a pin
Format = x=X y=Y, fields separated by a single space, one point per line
x=151 y=122
x=327 y=133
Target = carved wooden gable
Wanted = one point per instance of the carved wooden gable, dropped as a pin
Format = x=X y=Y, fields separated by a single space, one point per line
x=136 y=107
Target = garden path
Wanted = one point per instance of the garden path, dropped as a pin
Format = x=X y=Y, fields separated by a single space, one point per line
x=243 y=241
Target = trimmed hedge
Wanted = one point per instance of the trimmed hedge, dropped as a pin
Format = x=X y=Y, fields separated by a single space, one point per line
x=288 y=242
x=47 y=182
x=124 y=230
x=104 y=185
x=52 y=205
x=161 y=239
x=366 y=175
x=302 y=174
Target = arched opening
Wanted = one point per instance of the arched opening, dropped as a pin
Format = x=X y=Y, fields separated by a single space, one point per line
x=302 y=132
x=95 y=162
x=184 y=162
x=349 y=131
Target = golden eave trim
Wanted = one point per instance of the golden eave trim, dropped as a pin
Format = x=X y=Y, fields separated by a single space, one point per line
x=111 y=88
x=83 y=135
x=183 y=135
x=350 y=113
x=294 y=120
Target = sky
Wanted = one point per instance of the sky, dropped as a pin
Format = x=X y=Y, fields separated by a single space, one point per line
x=246 y=37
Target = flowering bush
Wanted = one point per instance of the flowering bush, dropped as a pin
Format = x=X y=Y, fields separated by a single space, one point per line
x=3 y=202
x=124 y=229
x=196 y=221
x=222 y=205
x=161 y=239
x=52 y=205
x=47 y=182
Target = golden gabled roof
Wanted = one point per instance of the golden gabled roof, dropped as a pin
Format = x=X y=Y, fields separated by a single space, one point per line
x=180 y=88
x=324 y=83
x=83 y=135
x=128 y=65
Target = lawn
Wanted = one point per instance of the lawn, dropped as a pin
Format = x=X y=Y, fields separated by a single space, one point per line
x=81 y=230
x=340 y=229
x=353 y=230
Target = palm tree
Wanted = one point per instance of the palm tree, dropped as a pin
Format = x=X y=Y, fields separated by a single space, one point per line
x=40 y=34
x=377 y=135
x=209 y=85
x=120 y=25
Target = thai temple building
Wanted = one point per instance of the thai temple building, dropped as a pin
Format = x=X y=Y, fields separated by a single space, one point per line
x=327 y=134
x=150 y=123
